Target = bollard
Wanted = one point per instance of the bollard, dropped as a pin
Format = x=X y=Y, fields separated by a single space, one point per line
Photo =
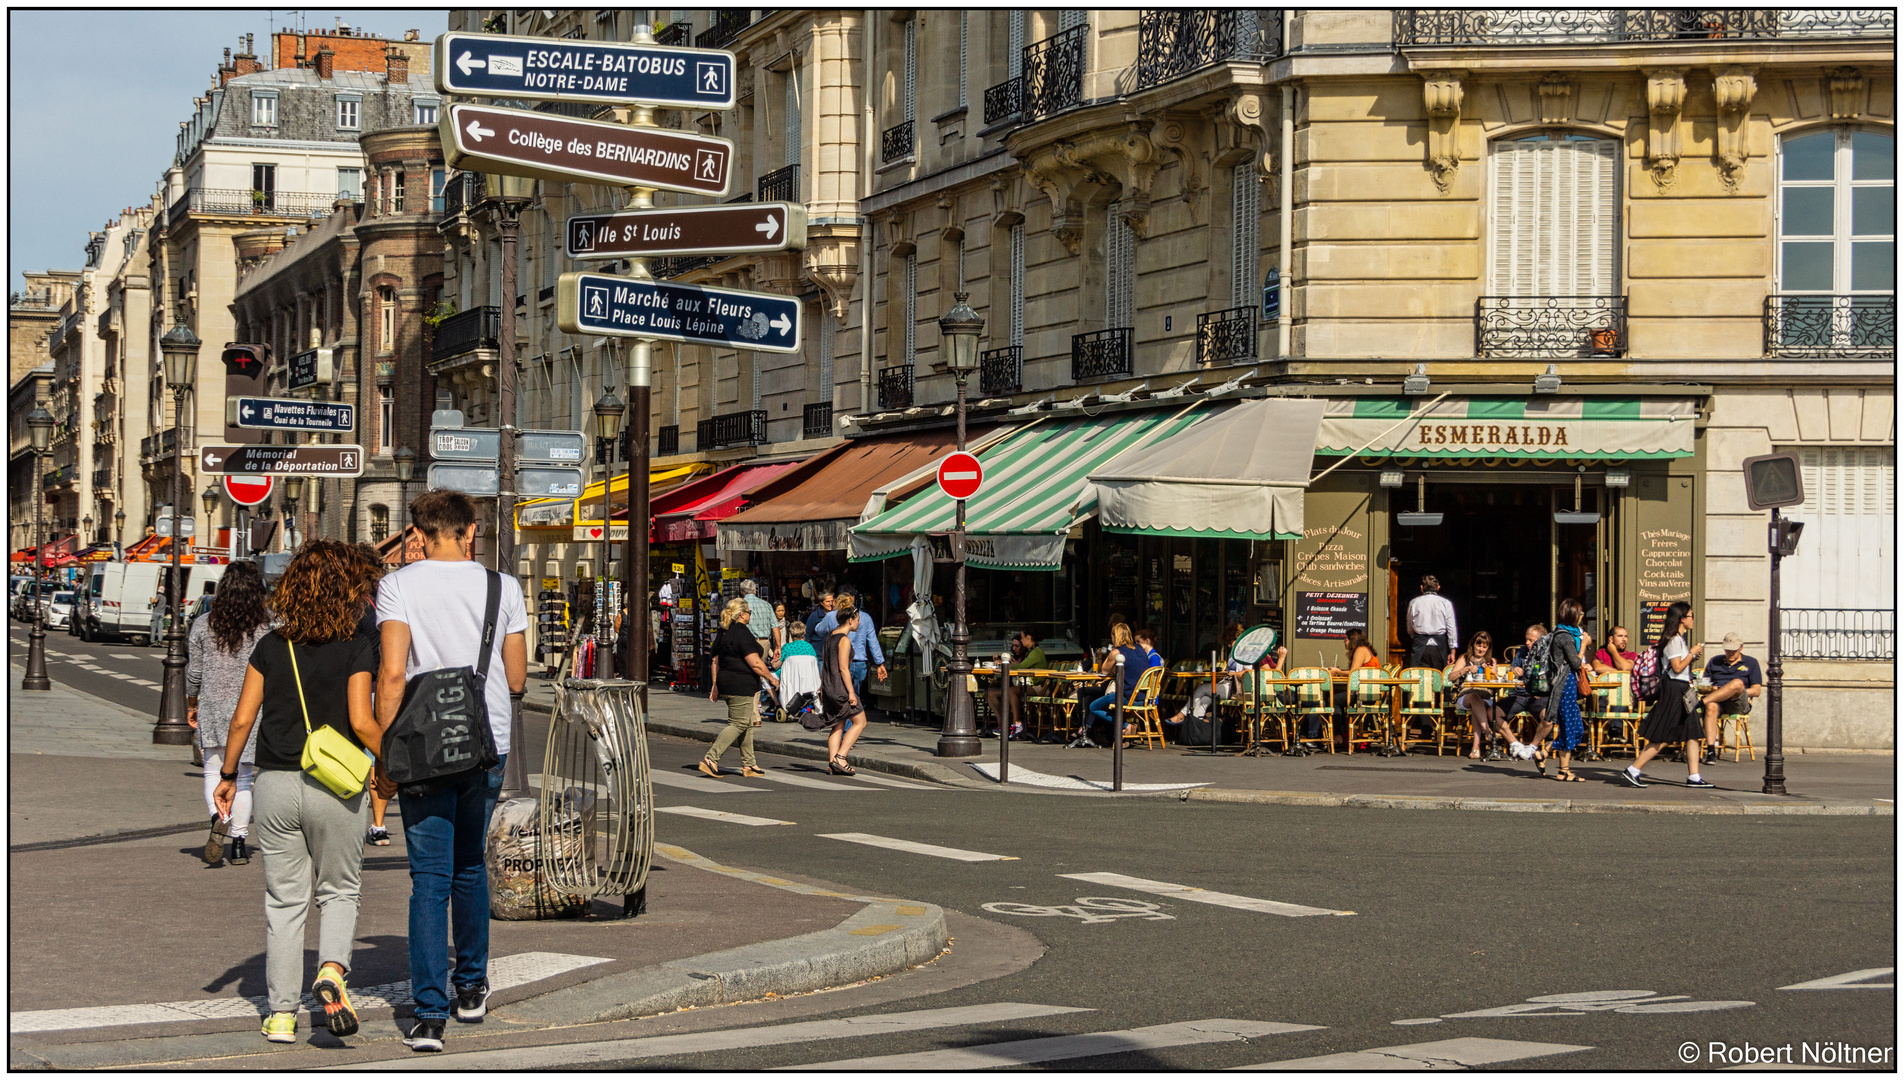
x=1212 y=715
x=1004 y=717
x=1117 y=733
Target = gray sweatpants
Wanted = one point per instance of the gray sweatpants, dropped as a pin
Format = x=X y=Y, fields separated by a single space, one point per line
x=304 y=832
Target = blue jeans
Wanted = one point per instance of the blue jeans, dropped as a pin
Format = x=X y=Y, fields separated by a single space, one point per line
x=858 y=670
x=449 y=887
x=1104 y=711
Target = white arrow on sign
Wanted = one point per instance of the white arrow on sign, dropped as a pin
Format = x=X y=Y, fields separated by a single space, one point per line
x=212 y=460
x=782 y=324
x=466 y=62
x=769 y=226
x=247 y=411
x=477 y=131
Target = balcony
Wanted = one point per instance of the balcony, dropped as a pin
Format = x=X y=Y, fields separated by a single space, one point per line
x=668 y=439
x=678 y=265
x=461 y=194
x=1005 y=101
x=1001 y=371
x=102 y=479
x=675 y=33
x=1555 y=326
x=285 y=204
x=1833 y=327
x=1227 y=336
x=1105 y=354
x=895 y=143
x=1837 y=634
x=728 y=23
x=160 y=446
x=895 y=387
x=731 y=429
x=816 y=420
x=465 y=331
x=33 y=301
x=1575 y=26
x=781 y=185
x=545 y=294
x=1173 y=42
x=1054 y=73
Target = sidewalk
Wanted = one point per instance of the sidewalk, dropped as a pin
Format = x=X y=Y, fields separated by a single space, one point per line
x=1817 y=782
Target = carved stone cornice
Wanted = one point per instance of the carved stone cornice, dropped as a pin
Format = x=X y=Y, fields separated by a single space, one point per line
x=1732 y=88
x=832 y=261
x=1665 y=96
x=1847 y=93
x=1554 y=95
x=1007 y=208
x=1173 y=135
x=1124 y=157
x=1441 y=95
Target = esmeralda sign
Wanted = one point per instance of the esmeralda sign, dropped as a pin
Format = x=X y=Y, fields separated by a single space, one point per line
x=1510 y=427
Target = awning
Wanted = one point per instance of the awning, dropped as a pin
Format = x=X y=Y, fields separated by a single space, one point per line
x=565 y=514
x=1035 y=490
x=693 y=508
x=1239 y=475
x=1538 y=428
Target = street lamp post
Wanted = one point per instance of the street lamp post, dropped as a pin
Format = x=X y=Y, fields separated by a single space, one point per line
x=293 y=493
x=86 y=528
x=608 y=414
x=39 y=425
x=180 y=349
x=960 y=328
x=119 y=526
x=405 y=459
x=209 y=497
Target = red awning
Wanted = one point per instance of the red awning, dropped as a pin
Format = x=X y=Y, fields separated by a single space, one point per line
x=693 y=518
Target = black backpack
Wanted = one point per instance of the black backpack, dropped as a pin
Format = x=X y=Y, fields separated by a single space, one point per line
x=1537 y=665
x=441 y=733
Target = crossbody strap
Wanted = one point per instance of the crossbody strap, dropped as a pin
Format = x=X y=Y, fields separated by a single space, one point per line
x=491 y=605
x=292 y=649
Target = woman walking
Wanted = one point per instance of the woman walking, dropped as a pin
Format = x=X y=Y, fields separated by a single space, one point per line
x=221 y=642
x=839 y=698
x=737 y=672
x=1569 y=667
x=314 y=670
x=1671 y=720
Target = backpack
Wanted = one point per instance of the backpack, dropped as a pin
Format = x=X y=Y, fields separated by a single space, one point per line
x=441 y=732
x=1537 y=665
x=1646 y=675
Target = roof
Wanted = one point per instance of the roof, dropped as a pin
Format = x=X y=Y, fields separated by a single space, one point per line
x=281 y=78
x=311 y=240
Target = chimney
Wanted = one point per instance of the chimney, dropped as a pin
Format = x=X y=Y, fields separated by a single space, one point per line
x=226 y=70
x=396 y=65
x=412 y=35
x=326 y=61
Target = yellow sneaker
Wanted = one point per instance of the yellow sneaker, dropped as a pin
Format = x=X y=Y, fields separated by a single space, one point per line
x=280 y=1027
x=339 y=1017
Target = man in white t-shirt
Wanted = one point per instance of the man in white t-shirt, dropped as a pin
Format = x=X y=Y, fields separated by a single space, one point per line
x=431 y=616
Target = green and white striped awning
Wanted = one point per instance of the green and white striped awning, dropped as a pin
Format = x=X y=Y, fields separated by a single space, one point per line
x=1538 y=428
x=1036 y=487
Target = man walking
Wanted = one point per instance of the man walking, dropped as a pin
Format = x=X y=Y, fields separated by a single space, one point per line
x=431 y=615
x=820 y=612
x=1431 y=626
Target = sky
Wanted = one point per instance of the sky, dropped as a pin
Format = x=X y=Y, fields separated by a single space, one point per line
x=95 y=99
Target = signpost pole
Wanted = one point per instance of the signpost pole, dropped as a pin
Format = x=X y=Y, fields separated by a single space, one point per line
x=515 y=774
x=1774 y=681
x=634 y=553
x=961 y=727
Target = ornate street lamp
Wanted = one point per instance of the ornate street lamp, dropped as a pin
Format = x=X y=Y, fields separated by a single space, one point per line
x=405 y=460
x=86 y=528
x=960 y=328
x=119 y=526
x=39 y=425
x=293 y=493
x=179 y=348
x=608 y=413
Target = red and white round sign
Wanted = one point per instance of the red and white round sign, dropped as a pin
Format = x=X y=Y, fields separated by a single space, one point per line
x=247 y=490
x=960 y=475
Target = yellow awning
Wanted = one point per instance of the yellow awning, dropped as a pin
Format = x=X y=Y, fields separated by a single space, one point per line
x=565 y=514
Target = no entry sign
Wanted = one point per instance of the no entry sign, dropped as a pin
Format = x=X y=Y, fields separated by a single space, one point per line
x=960 y=475
x=247 y=490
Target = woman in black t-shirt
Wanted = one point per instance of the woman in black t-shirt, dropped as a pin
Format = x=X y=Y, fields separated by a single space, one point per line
x=737 y=672
x=314 y=669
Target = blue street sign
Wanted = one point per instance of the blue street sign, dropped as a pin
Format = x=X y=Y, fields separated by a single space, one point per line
x=290 y=414
x=545 y=69
x=666 y=311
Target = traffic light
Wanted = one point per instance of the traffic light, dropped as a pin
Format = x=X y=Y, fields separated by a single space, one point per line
x=244 y=377
x=1783 y=536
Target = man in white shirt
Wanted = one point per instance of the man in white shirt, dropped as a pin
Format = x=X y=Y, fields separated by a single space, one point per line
x=431 y=616
x=1431 y=626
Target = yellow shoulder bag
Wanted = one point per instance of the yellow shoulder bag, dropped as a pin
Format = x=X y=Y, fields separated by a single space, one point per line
x=330 y=758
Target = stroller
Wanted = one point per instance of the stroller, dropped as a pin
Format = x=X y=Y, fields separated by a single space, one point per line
x=799 y=688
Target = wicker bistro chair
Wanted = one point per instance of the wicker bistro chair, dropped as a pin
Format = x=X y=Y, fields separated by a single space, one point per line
x=1142 y=708
x=1741 y=728
x=1313 y=699
x=1423 y=701
x=1262 y=694
x=1367 y=705
x=1608 y=706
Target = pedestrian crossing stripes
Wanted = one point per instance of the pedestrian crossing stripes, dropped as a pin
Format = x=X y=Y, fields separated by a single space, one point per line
x=786 y=776
x=1033 y=778
x=886 y=781
x=1850 y=980
x=917 y=848
x=699 y=783
x=1202 y=896
x=1445 y=1054
x=1067 y=1047
x=80 y=656
x=719 y=815
x=124 y=656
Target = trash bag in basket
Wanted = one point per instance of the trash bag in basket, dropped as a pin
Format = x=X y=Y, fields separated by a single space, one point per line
x=520 y=858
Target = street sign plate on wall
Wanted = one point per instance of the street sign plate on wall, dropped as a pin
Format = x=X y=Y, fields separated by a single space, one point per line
x=290 y=414
x=470 y=479
x=666 y=311
x=492 y=65
x=559 y=447
x=465 y=444
x=689 y=230
x=332 y=459
x=515 y=142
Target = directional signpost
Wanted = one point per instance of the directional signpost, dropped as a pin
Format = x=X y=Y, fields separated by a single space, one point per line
x=491 y=65
x=550 y=147
x=310 y=368
x=689 y=230
x=465 y=444
x=290 y=414
x=470 y=478
x=555 y=446
x=467 y=460
x=334 y=459
x=666 y=311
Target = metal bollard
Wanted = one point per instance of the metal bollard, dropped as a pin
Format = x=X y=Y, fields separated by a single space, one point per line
x=1212 y=716
x=1004 y=717
x=1117 y=735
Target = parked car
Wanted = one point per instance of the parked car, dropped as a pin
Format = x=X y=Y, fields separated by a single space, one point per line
x=59 y=609
x=20 y=598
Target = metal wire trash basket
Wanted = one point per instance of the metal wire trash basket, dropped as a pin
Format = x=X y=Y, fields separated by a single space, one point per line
x=597 y=803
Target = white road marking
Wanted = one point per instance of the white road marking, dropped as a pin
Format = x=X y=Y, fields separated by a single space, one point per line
x=506 y=971
x=917 y=848
x=786 y=776
x=1448 y=1053
x=1203 y=896
x=1850 y=980
x=700 y=783
x=1631 y=1002
x=1033 y=778
x=82 y=656
x=148 y=683
x=575 y=1054
x=886 y=781
x=1066 y=1047
x=125 y=656
x=720 y=815
x=122 y=675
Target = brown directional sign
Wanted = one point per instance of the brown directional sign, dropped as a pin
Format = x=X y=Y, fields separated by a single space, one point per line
x=689 y=230
x=333 y=459
x=550 y=147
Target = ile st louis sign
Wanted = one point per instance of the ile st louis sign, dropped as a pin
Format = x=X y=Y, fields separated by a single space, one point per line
x=689 y=230
x=481 y=138
x=667 y=311
x=491 y=65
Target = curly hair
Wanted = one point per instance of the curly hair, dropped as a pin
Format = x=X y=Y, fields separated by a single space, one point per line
x=238 y=607
x=322 y=594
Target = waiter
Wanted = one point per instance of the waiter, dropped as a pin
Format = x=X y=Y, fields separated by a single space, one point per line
x=1431 y=626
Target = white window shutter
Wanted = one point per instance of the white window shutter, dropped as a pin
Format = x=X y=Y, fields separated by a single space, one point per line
x=1070 y=17
x=1119 y=254
x=964 y=25
x=1846 y=557
x=912 y=301
x=793 y=115
x=1555 y=227
x=1246 y=206
x=912 y=67
x=826 y=353
x=1018 y=284
x=1015 y=44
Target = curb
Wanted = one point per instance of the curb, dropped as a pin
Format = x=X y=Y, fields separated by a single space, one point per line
x=885 y=937
x=1536 y=806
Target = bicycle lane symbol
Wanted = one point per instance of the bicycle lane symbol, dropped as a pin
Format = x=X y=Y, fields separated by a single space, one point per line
x=1088 y=909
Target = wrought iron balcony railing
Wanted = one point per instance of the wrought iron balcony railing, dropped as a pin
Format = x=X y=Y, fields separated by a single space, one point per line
x=895 y=387
x=675 y=33
x=668 y=439
x=1173 y=42
x=731 y=429
x=728 y=23
x=1550 y=326
x=462 y=192
x=465 y=331
x=33 y=301
x=677 y=265
x=816 y=421
x=290 y=204
x=1227 y=336
x=102 y=480
x=781 y=185
x=1101 y=355
x=1005 y=101
x=895 y=142
x=1001 y=371
x=1054 y=73
x=162 y=445
x=1576 y=26
x=1837 y=634
x=1848 y=327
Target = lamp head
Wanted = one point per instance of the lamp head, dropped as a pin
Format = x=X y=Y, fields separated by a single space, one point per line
x=39 y=424
x=210 y=498
x=405 y=459
x=294 y=488
x=118 y=519
x=180 y=348
x=1416 y=384
x=608 y=413
x=1548 y=383
x=961 y=328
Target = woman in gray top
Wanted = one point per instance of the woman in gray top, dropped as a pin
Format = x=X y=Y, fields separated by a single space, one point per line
x=220 y=647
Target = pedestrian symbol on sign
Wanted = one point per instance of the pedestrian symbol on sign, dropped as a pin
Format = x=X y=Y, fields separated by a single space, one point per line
x=584 y=236
x=707 y=164
x=597 y=303
x=712 y=81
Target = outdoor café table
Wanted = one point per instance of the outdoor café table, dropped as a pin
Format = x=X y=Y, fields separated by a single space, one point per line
x=1389 y=747
x=1192 y=676
x=1023 y=676
x=1254 y=749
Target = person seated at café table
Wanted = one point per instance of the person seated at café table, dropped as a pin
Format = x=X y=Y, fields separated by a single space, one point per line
x=1026 y=655
x=1203 y=695
x=1472 y=666
x=1520 y=699
x=1147 y=641
x=1136 y=662
x=1361 y=655
x=1614 y=655
x=1735 y=682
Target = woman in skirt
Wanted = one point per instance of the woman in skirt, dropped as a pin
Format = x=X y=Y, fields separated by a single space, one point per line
x=1670 y=721
x=1569 y=667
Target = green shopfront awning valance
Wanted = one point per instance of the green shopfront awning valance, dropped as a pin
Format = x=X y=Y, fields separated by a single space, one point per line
x=1534 y=428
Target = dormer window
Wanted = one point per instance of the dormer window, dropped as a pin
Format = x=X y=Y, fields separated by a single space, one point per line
x=264 y=108
x=348 y=108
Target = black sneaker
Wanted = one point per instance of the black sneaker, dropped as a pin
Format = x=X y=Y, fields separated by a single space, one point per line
x=1712 y=756
x=1701 y=782
x=1627 y=778
x=426 y=1036
x=240 y=851
x=472 y=1002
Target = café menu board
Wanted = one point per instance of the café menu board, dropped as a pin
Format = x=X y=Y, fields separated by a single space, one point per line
x=1331 y=614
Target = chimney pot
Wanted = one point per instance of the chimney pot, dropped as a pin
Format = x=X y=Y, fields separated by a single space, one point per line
x=326 y=62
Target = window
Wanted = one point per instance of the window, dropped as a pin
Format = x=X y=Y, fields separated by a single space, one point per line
x=1015 y=44
x=264 y=108
x=1555 y=217
x=912 y=68
x=347 y=109
x=379 y=523
x=264 y=187
x=1246 y=216
x=423 y=112
x=826 y=355
x=1847 y=556
x=1837 y=225
x=386 y=419
x=912 y=301
x=793 y=116
x=436 y=191
x=350 y=184
x=1119 y=254
x=1018 y=284
x=964 y=23
x=386 y=319
x=1070 y=18
x=396 y=200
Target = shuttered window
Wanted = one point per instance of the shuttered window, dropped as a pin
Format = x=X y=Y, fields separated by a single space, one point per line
x=826 y=355
x=1246 y=215
x=912 y=303
x=964 y=24
x=1070 y=17
x=1555 y=224
x=1015 y=44
x=1847 y=553
x=1119 y=254
x=912 y=68
x=793 y=116
x=1018 y=284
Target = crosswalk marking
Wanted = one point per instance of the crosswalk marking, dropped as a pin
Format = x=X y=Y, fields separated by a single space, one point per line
x=1065 y=1047
x=797 y=780
x=1203 y=896
x=125 y=656
x=121 y=675
x=1850 y=980
x=81 y=656
x=699 y=783
x=149 y=684
x=886 y=781
x=611 y=1050
x=719 y=815
x=1033 y=778
x=1447 y=1053
x=917 y=848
